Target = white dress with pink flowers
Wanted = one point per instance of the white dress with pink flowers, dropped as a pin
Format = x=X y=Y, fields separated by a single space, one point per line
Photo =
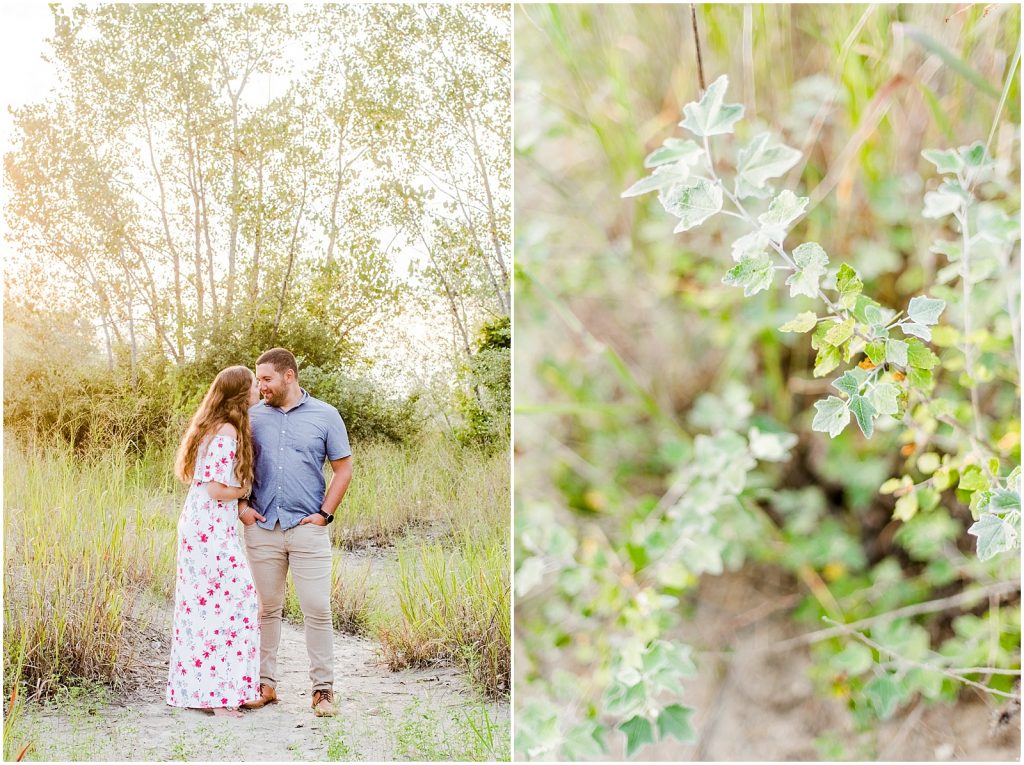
x=215 y=646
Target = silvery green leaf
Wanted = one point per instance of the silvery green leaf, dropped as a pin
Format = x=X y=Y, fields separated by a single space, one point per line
x=693 y=203
x=674 y=721
x=811 y=262
x=763 y=158
x=584 y=742
x=939 y=204
x=744 y=190
x=529 y=575
x=918 y=330
x=802 y=322
x=785 y=208
x=753 y=273
x=862 y=409
x=753 y=243
x=896 y=352
x=974 y=155
x=996 y=226
x=1003 y=500
x=884 y=398
x=873 y=315
x=884 y=693
x=945 y=160
x=675 y=150
x=663 y=177
x=951 y=249
x=925 y=310
x=711 y=116
x=848 y=384
x=848 y=285
x=994 y=535
x=771 y=447
x=832 y=416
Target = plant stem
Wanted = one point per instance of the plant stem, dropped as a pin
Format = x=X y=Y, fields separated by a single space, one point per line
x=965 y=281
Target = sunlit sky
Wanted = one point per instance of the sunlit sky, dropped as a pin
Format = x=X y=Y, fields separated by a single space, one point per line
x=24 y=27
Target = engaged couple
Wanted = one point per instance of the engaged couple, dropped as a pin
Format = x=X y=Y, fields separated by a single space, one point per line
x=260 y=462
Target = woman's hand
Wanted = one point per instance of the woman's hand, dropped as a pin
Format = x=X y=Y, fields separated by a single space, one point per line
x=247 y=514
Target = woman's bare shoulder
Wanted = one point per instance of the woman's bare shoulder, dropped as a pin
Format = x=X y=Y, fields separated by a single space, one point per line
x=226 y=429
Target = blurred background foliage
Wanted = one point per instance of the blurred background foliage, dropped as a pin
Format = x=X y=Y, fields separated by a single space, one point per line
x=628 y=344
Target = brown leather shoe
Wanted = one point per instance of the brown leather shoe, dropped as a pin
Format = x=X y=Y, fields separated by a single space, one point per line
x=323 y=702
x=267 y=696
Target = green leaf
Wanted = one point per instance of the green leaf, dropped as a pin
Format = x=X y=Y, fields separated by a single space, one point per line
x=861 y=408
x=711 y=116
x=972 y=479
x=692 y=203
x=584 y=742
x=802 y=322
x=848 y=384
x=638 y=730
x=875 y=351
x=832 y=416
x=854 y=659
x=828 y=358
x=939 y=204
x=840 y=333
x=662 y=178
x=945 y=160
x=920 y=378
x=884 y=694
x=675 y=150
x=811 y=262
x=848 y=285
x=906 y=507
x=994 y=535
x=920 y=356
x=918 y=330
x=896 y=352
x=674 y=721
x=762 y=158
x=753 y=243
x=884 y=397
x=1003 y=500
x=925 y=310
x=772 y=447
x=623 y=699
x=974 y=155
x=785 y=208
x=753 y=274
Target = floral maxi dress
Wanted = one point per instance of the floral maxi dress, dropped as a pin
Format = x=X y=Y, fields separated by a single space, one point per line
x=215 y=644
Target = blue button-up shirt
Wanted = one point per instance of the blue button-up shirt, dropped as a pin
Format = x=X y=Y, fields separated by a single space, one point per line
x=290 y=448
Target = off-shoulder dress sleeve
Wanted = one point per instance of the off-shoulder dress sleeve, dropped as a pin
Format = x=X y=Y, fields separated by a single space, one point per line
x=216 y=461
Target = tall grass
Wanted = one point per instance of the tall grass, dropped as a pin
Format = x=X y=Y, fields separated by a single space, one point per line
x=454 y=605
x=83 y=538
x=395 y=489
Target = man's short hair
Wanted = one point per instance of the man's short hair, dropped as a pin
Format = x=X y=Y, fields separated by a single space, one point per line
x=281 y=358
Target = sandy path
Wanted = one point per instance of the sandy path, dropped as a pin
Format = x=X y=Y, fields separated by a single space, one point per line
x=383 y=715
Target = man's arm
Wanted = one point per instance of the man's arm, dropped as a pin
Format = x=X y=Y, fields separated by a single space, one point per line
x=335 y=491
x=339 y=484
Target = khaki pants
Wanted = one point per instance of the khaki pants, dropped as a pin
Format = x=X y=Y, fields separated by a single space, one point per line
x=306 y=549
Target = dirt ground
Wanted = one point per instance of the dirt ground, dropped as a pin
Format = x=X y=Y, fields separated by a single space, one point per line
x=757 y=706
x=382 y=715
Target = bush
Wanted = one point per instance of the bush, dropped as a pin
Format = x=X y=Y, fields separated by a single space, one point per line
x=484 y=401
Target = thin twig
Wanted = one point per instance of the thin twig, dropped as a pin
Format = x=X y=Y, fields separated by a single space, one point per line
x=928 y=607
x=696 y=42
x=918 y=664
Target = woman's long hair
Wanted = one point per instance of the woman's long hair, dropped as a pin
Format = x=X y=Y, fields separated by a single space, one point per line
x=227 y=400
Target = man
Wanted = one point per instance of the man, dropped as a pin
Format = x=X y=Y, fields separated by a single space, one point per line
x=287 y=516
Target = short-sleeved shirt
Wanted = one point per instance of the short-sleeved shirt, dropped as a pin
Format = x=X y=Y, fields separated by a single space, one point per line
x=290 y=448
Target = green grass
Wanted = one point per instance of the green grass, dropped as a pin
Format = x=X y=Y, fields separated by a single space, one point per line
x=454 y=605
x=83 y=537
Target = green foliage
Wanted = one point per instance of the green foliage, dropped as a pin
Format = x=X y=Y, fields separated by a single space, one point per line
x=622 y=327
x=484 y=398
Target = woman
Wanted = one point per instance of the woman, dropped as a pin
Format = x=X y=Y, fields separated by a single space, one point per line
x=215 y=645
